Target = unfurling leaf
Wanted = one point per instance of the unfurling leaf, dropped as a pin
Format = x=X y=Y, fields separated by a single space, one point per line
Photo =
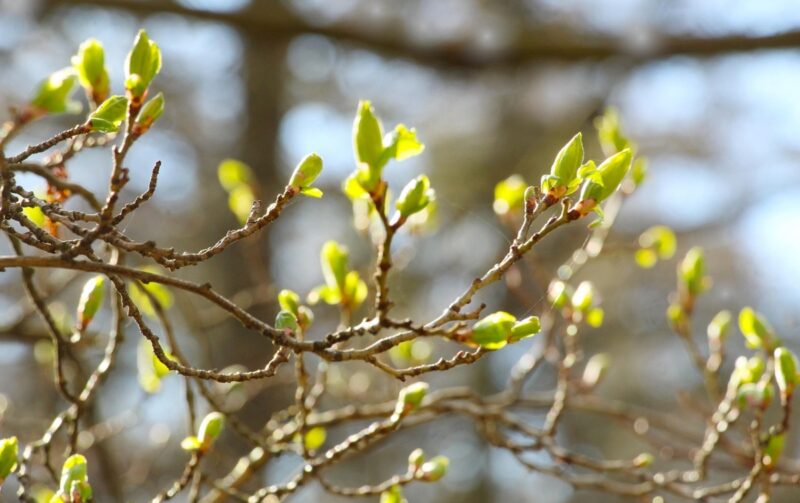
x=109 y=115
x=401 y=144
x=90 y=301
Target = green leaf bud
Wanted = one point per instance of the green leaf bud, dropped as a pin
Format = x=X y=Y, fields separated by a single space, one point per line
x=562 y=179
x=643 y=460
x=416 y=459
x=691 y=272
x=90 y=301
x=410 y=398
x=307 y=170
x=109 y=115
x=605 y=181
x=141 y=66
x=393 y=495
x=89 y=63
x=493 y=331
x=720 y=325
x=415 y=196
x=785 y=372
x=756 y=330
x=525 y=328
x=210 y=429
x=367 y=137
x=433 y=470
x=285 y=320
x=315 y=438
x=149 y=113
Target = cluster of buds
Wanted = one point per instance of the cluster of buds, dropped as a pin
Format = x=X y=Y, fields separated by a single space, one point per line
x=500 y=328
x=577 y=305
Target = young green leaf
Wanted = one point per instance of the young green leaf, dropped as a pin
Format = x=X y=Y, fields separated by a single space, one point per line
x=90 y=301
x=333 y=258
x=89 y=63
x=109 y=115
x=52 y=96
x=401 y=144
x=9 y=451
